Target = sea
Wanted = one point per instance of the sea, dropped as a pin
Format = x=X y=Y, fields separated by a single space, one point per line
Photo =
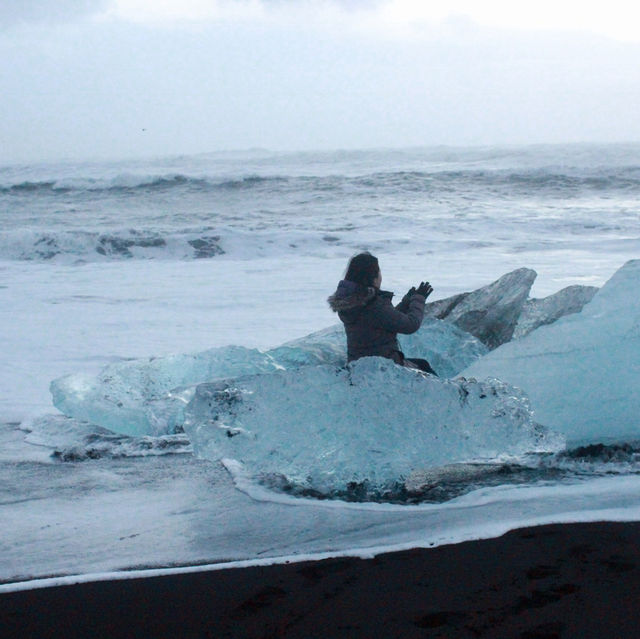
x=110 y=261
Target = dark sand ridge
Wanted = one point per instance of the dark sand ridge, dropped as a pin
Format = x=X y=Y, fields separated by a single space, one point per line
x=571 y=580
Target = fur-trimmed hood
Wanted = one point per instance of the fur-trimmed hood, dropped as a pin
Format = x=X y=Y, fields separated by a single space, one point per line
x=350 y=295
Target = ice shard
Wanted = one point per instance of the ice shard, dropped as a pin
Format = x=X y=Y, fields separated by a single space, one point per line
x=327 y=346
x=324 y=428
x=540 y=312
x=148 y=396
x=489 y=313
x=581 y=372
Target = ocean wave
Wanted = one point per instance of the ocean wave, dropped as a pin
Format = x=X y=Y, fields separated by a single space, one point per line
x=538 y=180
x=86 y=246
x=79 y=246
x=548 y=179
x=135 y=183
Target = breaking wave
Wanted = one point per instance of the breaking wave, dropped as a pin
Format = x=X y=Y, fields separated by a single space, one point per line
x=551 y=180
x=78 y=246
x=133 y=183
x=114 y=245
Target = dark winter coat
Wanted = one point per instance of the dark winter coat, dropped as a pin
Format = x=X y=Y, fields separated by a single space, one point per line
x=372 y=323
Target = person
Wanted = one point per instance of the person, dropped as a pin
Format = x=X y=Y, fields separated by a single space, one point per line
x=370 y=320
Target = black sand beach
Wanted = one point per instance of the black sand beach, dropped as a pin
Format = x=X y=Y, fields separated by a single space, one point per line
x=555 y=581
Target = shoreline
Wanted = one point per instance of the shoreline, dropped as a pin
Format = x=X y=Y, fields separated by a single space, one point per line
x=556 y=580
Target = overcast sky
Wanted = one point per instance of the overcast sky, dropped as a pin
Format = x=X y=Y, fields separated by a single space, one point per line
x=127 y=78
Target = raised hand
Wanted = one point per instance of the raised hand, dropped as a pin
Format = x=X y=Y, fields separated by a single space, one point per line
x=424 y=289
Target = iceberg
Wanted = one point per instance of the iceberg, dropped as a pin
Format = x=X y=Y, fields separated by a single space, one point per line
x=581 y=372
x=325 y=429
x=540 y=312
x=489 y=313
x=148 y=396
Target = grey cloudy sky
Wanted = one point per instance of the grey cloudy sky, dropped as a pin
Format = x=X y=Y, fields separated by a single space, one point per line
x=123 y=78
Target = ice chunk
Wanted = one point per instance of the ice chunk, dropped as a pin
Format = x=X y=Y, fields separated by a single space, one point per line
x=147 y=397
x=71 y=440
x=490 y=313
x=324 y=428
x=328 y=346
x=447 y=348
x=581 y=372
x=539 y=312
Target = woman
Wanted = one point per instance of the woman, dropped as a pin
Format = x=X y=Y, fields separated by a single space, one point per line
x=370 y=320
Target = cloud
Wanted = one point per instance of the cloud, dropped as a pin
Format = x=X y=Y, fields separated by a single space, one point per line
x=616 y=19
x=286 y=81
x=159 y=11
x=52 y=11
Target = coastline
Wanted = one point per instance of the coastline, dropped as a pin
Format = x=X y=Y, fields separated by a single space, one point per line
x=557 y=580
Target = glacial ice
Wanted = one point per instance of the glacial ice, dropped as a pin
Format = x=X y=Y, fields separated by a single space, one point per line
x=327 y=346
x=148 y=396
x=73 y=440
x=326 y=428
x=581 y=372
x=540 y=312
x=447 y=348
x=489 y=313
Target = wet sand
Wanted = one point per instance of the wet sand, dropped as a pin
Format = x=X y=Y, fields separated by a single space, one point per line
x=575 y=580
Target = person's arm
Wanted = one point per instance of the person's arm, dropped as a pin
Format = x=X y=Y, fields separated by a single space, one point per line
x=403 y=305
x=425 y=289
x=395 y=321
